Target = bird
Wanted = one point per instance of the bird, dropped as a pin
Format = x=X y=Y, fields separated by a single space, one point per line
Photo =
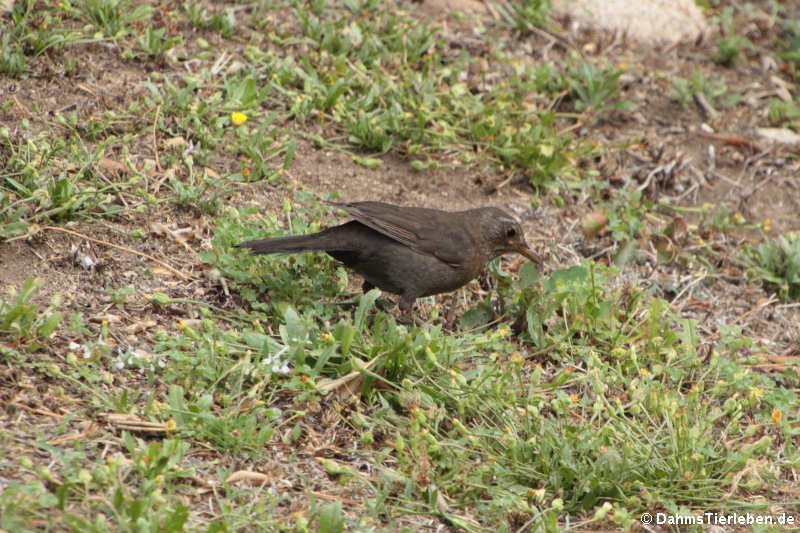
x=410 y=251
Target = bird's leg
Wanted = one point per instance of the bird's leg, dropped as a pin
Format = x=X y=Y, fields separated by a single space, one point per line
x=450 y=315
x=406 y=305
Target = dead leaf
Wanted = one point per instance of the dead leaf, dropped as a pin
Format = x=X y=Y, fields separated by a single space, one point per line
x=178 y=235
x=162 y=271
x=255 y=478
x=441 y=503
x=663 y=245
x=104 y=317
x=779 y=362
x=141 y=325
x=594 y=222
x=175 y=141
x=676 y=229
x=350 y=384
x=111 y=166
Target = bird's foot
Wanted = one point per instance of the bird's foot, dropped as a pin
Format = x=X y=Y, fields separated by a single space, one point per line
x=407 y=315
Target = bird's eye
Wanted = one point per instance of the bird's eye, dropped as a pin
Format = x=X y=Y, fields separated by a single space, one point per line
x=511 y=232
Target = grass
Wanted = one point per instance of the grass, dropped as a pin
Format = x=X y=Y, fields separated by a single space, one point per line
x=270 y=397
x=631 y=410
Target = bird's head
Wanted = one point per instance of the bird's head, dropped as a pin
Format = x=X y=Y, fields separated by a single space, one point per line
x=503 y=233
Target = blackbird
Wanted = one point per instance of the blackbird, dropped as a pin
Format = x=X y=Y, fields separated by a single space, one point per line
x=410 y=251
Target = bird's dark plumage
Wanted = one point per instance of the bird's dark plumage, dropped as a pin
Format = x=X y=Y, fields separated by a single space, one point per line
x=410 y=251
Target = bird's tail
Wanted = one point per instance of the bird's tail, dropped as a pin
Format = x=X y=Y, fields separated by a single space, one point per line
x=322 y=241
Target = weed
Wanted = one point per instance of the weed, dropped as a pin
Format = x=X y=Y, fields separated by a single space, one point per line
x=155 y=43
x=626 y=216
x=782 y=113
x=522 y=15
x=35 y=190
x=730 y=49
x=224 y=22
x=777 y=264
x=596 y=89
x=22 y=322
x=791 y=51
x=197 y=14
x=716 y=92
x=112 y=17
x=12 y=58
x=730 y=45
x=380 y=114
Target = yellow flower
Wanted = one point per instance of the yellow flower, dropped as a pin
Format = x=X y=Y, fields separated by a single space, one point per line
x=238 y=118
x=766 y=225
x=777 y=416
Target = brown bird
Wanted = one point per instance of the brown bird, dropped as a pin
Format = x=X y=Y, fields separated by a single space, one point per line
x=410 y=251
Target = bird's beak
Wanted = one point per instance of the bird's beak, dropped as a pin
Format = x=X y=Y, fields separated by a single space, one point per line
x=522 y=247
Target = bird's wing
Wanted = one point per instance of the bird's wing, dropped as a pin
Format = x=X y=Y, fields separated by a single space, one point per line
x=423 y=230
